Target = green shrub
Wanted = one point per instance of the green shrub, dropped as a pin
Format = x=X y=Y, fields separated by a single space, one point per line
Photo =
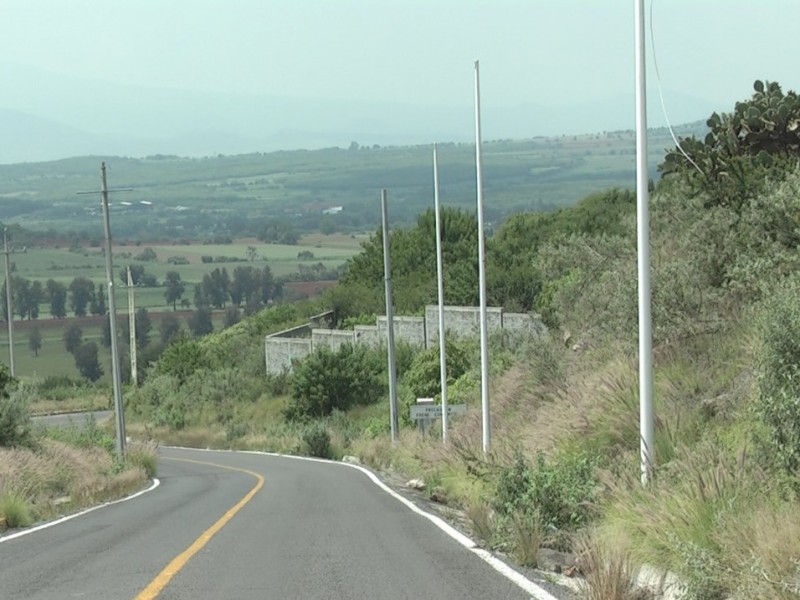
x=562 y=492
x=778 y=364
x=317 y=440
x=15 y=414
x=328 y=380
x=181 y=358
x=424 y=375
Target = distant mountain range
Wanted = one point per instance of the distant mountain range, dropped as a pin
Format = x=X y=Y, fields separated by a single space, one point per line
x=46 y=116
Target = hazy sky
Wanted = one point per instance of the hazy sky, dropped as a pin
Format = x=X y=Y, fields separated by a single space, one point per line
x=542 y=51
x=553 y=53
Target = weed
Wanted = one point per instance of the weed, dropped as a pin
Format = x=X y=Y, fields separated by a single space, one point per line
x=526 y=536
x=15 y=509
x=145 y=456
x=479 y=513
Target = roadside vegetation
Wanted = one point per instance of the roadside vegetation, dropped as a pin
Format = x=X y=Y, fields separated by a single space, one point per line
x=45 y=473
x=721 y=512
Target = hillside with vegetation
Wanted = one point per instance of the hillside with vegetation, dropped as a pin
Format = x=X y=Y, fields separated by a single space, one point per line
x=721 y=511
x=278 y=196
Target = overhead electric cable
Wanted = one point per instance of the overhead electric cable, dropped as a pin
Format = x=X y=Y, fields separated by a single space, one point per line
x=661 y=96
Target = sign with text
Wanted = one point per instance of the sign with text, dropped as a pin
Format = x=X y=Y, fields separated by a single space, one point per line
x=434 y=411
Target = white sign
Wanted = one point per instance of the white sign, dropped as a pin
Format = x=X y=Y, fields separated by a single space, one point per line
x=433 y=411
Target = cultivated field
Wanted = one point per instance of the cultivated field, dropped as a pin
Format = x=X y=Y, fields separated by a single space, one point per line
x=64 y=264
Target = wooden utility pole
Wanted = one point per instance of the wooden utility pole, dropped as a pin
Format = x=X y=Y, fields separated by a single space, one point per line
x=9 y=306
x=112 y=314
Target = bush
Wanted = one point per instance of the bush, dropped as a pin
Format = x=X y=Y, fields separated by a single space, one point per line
x=317 y=440
x=424 y=375
x=562 y=492
x=329 y=380
x=181 y=359
x=15 y=414
x=778 y=364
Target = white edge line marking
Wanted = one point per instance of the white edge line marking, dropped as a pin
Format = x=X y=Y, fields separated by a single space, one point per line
x=66 y=518
x=498 y=565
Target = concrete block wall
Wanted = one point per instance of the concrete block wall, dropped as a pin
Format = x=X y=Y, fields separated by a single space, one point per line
x=369 y=335
x=463 y=321
x=332 y=338
x=408 y=329
x=281 y=352
x=524 y=322
x=294 y=344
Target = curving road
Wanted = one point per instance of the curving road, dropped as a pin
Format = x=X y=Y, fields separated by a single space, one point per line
x=224 y=525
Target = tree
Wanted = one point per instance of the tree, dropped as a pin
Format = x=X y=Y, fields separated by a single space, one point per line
x=269 y=289
x=147 y=255
x=169 y=328
x=251 y=253
x=21 y=291
x=246 y=284
x=86 y=361
x=73 y=338
x=413 y=254
x=143 y=327
x=57 y=294
x=232 y=316
x=137 y=272
x=98 y=303
x=81 y=293
x=215 y=287
x=279 y=232
x=35 y=340
x=174 y=288
x=27 y=297
x=200 y=322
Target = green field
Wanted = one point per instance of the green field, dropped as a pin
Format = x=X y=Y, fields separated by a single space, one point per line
x=63 y=264
x=53 y=358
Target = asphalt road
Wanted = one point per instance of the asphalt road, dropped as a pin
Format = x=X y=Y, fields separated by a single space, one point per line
x=225 y=525
x=76 y=419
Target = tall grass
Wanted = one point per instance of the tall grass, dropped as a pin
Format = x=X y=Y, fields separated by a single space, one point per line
x=56 y=476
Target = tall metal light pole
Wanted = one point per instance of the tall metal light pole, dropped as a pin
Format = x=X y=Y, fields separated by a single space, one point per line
x=10 y=306
x=482 y=270
x=440 y=279
x=387 y=271
x=132 y=329
x=646 y=417
x=112 y=314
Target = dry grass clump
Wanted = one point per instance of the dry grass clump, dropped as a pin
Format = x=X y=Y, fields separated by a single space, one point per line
x=763 y=551
x=608 y=571
x=57 y=477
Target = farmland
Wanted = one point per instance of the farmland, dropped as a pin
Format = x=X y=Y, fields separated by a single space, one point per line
x=330 y=190
x=64 y=264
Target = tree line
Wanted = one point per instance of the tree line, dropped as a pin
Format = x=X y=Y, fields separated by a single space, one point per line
x=247 y=286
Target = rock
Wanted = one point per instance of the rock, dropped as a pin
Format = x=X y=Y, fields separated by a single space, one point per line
x=415 y=484
x=353 y=460
x=553 y=560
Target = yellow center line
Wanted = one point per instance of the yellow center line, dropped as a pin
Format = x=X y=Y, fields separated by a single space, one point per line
x=155 y=587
